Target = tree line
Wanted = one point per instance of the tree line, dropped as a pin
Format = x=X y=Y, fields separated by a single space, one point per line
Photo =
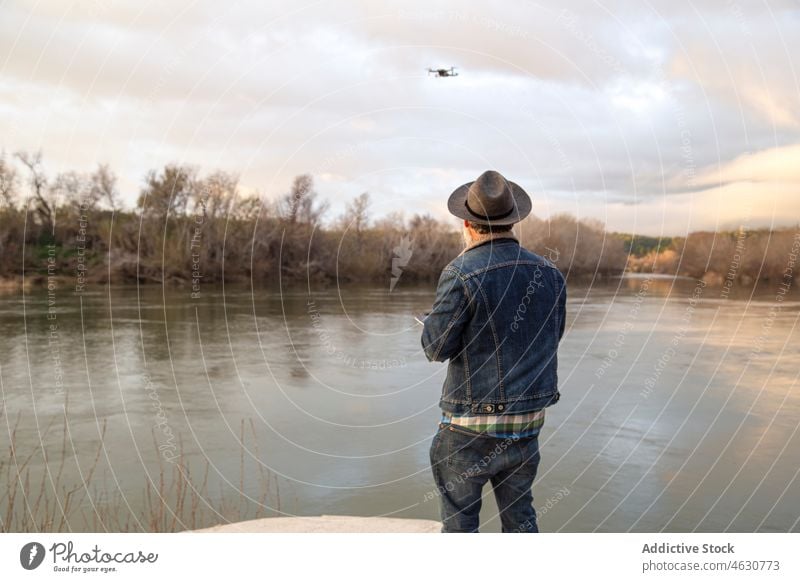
x=187 y=226
x=744 y=256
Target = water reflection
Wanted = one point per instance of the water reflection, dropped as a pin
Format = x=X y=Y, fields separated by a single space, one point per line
x=678 y=407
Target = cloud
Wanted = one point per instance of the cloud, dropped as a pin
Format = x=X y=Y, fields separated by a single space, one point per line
x=779 y=166
x=618 y=109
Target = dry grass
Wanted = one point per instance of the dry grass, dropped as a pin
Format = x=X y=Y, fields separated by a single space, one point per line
x=36 y=496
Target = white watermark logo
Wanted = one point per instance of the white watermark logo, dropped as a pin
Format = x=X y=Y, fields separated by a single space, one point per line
x=31 y=555
x=401 y=255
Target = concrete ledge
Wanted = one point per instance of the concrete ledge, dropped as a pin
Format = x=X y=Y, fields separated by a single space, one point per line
x=327 y=524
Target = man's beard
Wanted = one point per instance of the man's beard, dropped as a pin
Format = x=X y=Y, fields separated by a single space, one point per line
x=466 y=236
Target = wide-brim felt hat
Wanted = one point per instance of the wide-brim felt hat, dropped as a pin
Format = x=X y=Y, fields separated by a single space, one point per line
x=490 y=199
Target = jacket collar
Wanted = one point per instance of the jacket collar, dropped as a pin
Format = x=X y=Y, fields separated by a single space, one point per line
x=488 y=238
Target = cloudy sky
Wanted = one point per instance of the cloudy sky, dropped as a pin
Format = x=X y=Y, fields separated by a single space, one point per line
x=655 y=117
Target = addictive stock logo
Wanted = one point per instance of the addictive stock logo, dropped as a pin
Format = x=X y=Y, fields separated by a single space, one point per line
x=31 y=555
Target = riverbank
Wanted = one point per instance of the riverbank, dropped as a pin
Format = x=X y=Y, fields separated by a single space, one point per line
x=327 y=524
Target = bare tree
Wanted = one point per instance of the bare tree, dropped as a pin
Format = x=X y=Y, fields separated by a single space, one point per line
x=104 y=187
x=248 y=208
x=72 y=189
x=300 y=205
x=215 y=194
x=581 y=247
x=356 y=215
x=45 y=209
x=167 y=193
x=8 y=183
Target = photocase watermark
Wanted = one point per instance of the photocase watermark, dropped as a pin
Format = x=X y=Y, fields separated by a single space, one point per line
x=549 y=504
x=736 y=11
x=569 y=20
x=736 y=260
x=168 y=447
x=401 y=255
x=552 y=255
x=534 y=284
x=620 y=338
x=340 y=155
x=471 y=470
x=206 y=37
x=549 y=135
x=329 y=347
x=663 y=361
x=789 y=274
x=733 y=268
x=689 y=166
x=553 y=500
x=787 y=280
x=80 y=247
x=195 y=244
x=53 y=332
x=94 y=560
x=67 y=558
x=31 y=555
x=509 y=29
x=571 y=23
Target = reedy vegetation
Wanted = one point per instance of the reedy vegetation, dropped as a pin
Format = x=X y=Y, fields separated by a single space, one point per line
x=46 y=489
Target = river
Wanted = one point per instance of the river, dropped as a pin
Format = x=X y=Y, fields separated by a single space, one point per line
x=679 y=408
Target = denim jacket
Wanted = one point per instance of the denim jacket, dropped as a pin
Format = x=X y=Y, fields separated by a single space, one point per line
x=498 y=317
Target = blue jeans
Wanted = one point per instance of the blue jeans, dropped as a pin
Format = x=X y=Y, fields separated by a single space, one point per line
x=462 y=463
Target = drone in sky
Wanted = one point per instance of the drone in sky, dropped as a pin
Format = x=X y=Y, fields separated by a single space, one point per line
x=451 y=72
